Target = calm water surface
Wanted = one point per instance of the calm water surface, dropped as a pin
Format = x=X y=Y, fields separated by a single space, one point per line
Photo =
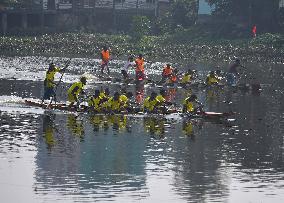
x=55 y=156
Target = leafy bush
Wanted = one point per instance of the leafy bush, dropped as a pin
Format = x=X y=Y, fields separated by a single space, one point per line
x=184 y=12
x=269 y=39
x=140 y=27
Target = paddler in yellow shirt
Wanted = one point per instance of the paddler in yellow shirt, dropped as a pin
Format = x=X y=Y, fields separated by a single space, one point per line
x=162 y=102
x=187 y=77
x=191 y=105
x=94 y=102
x=49 y=83
x=212 y=79
x=75 y=90
x=114 y=104
x=150 y=103
x=125 y=101
x=104 y=94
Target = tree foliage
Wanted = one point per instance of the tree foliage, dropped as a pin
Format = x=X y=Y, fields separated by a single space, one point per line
x=181 y=14
x=184 y=12
x=8 y=2
x=20 y=3
x=140 y=26
x=263 y=13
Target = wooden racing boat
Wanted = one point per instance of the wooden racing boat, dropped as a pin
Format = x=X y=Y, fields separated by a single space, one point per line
x=137 y=111
x=59 y=106
x=208 y=115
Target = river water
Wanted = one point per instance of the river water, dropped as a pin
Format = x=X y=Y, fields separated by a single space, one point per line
x=55 y=156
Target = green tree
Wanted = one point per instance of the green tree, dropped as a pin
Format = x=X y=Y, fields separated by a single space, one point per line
x=20 y=3
x=263 y=13
x=140 y=26
x=8 y=2
x=184 y=12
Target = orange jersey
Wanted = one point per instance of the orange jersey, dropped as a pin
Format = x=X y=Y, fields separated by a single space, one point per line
x=105 y=56
x=167 y=71
x=173 y=78
x=139 y=64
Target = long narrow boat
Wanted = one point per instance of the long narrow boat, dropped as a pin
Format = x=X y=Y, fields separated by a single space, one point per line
x=64 y=107
x=58 y=106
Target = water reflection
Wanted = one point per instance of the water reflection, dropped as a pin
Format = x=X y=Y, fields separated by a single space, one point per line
x=98 y=122
x=171 y=94
x=102 y=163
x=118 y=122
x=146 y=159
x=48 y=129
x=155 y=126
x=191 y=126
x=140 y=91
x=75 y=125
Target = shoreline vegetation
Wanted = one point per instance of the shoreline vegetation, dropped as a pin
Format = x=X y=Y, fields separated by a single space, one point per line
x=182 y=46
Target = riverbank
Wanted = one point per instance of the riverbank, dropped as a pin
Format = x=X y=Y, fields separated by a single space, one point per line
x=183 y=46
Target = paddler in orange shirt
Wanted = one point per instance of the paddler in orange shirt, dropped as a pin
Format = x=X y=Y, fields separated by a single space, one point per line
x=167 y=72
x=140 y=67
x=105 y=56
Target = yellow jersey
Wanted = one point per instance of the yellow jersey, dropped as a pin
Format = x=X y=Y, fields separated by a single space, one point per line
x=49 y=77
x=95 y=103
x=114 y=105
x=186 y=79
x=160 y=100
x=190 y=107
x=211 y=80
x=70 y=92
x=149 y=104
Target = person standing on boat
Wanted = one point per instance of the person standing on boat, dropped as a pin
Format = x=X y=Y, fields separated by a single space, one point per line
x=233 y=73
x=49 y=83
x=191 y=105
x=253 y=31
x=75 y=90
x=140 y=68
x=124 y=70
x=173 y=77
x=167 y=72
x=105 y=56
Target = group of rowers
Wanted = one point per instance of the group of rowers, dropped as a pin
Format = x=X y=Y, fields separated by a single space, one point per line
x=169 y=74
x=102 y=102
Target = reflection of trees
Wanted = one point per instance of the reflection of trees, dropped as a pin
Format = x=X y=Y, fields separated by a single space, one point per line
x=55 y=165
x=198 y=167
x=258 y=140
x=100 y=163
x=114 y=161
